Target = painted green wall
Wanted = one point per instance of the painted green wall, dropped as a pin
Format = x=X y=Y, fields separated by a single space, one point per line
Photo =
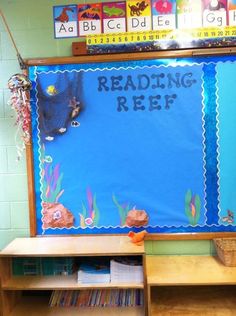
x=31 y=24
x=187 y=247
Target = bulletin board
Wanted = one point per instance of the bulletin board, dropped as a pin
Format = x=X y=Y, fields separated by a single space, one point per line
x=141 y=143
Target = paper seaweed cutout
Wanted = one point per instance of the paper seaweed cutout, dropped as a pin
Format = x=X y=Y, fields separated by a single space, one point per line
x=122 y=209
x=192 y=207
x=19 y=86
x=51 y=183
x=89 y=217
x=54 y=214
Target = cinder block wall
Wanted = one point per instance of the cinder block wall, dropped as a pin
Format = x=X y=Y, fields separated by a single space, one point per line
x=31 y=23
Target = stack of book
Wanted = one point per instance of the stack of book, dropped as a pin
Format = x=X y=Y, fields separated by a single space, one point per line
x=99 y=298
x=126 y=270
x=93 y=272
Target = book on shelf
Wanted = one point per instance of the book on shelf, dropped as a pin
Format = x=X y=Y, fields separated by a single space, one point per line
x=126 y=270
x=97 y=298
x=94 y=272
x=117 y=270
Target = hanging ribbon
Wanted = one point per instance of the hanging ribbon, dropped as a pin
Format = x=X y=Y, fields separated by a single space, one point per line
x=19 y=86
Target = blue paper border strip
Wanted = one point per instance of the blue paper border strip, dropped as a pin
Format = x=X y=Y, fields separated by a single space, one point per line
x=211 y=143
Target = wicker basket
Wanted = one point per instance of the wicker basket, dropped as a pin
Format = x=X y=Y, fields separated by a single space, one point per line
x=226 y=250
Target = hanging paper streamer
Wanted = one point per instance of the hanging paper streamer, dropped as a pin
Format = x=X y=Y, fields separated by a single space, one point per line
x=19 y=85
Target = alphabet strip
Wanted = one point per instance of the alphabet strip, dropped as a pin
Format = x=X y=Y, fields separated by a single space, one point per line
x=132 y=16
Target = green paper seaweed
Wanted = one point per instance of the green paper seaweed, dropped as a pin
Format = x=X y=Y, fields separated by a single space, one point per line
x=89 y=217
x=122 y=209
x=96 y=210
x=51 y=179
x=51 y=184
x=192 y=207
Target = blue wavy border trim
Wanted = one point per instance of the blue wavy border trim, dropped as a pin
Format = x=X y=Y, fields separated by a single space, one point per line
x=211 y=143
x=35 y=144
x=125 y=230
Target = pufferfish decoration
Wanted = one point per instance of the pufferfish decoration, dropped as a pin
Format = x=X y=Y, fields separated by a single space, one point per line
x=19 y=86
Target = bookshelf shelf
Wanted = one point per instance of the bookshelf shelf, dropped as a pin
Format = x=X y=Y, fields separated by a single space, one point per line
x=190 y=285
x=193 y=300
x=72 y=246
x=60 y=283
x=15 y=289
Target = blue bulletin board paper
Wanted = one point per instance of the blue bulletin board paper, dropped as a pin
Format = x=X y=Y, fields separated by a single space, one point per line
x=117 y=137
x=227 y=136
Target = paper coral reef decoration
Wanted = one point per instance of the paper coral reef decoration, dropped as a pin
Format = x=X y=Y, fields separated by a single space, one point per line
x=19 y=86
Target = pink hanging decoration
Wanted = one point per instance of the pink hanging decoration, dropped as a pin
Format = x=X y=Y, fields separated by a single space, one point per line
x=19 y=86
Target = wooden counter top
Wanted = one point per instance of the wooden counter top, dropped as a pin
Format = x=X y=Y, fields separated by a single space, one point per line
x=188 y=270
x=72 y=246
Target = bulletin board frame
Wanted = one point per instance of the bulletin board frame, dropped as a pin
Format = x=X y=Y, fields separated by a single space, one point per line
x=111 y=58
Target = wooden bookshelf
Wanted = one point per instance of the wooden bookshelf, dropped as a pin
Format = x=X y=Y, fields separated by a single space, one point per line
x=190 y=285
x=13 y=289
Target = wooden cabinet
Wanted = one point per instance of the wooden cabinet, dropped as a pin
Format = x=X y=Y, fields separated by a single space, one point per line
x=22 y=295
x=173 y=285
x=190 y=285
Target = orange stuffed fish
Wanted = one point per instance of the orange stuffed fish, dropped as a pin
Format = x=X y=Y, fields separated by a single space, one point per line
x=137 y=238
